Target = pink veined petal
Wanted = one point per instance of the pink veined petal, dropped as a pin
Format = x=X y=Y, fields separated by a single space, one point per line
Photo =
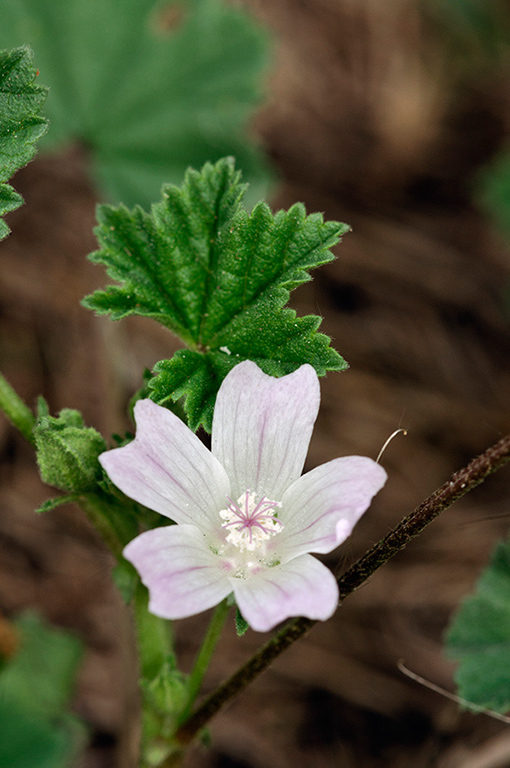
x=168 y=469
x=303 y=587
x=181 y=573
x=262 y=427
x=322 y=507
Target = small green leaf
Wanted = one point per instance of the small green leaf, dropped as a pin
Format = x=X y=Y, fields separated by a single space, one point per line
x=242 y=625
x=50 y=504
x=479 y=637
x=20 y=123
x=67 y=452
x=218 y=277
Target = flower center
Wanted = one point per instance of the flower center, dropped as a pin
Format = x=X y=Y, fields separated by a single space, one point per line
x=250 y=522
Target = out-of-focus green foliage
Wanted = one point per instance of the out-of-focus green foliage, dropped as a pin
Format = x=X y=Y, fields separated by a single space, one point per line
x=147 y=87
x=476 y=32
x=494 y=192
x=218 y=277
x=475 y=35
x=37 y=730
x=479 y=637
x=20 y=123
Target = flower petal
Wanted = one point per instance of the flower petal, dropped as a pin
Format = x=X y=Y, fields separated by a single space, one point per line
x=303 y=587
x=182 y=575
x=168 y=469
x=262 y=427
x=322 y=507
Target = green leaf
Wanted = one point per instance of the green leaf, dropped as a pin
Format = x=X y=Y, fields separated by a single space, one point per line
x=218 y=277
x=148 y=88
x=35 y=689
x=50 y=504
x=479 y=637
x=474 y=32
x=40 y=676
x=32 y=742
x=67 y=451
x=20 y=123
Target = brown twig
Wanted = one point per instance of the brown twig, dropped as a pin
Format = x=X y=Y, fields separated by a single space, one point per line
x=461 y=483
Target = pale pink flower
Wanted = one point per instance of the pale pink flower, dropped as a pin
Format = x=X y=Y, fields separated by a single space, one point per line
x=246 y=519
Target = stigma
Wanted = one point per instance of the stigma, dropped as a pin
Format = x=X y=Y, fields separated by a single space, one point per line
x=250 y=522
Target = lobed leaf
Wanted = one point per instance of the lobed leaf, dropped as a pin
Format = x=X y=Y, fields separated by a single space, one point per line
x=218 y=277
x=20 y=123
x=162 y=260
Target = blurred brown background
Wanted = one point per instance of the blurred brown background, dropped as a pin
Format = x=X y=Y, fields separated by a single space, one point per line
x=371 y=119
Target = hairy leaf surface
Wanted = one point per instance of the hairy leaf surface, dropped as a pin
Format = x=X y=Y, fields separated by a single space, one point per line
x=20 y=123
x=218 y=277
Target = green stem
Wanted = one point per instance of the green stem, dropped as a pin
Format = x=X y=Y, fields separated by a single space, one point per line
x=97 y=511
x=204 y=657
x=155 y=640
x=460 y=483
x=16 y=410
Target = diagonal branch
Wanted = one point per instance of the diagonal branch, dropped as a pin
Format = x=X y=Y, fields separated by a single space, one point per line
x=460 y=483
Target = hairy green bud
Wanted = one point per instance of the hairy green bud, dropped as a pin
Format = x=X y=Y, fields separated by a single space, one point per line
x=67 y=451
x=168 y=691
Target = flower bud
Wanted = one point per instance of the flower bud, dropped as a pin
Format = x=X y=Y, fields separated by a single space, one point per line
x=67 y=451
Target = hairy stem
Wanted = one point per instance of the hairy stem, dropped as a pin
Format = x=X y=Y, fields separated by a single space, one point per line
x=460 y=483
x=96 y=509
x=16 y=410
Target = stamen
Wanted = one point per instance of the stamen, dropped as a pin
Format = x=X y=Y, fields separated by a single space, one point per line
x=251 y=521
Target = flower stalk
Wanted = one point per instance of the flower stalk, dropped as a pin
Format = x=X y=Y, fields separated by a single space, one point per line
x=204 y=656
x=460 y=483
x=155 y=637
